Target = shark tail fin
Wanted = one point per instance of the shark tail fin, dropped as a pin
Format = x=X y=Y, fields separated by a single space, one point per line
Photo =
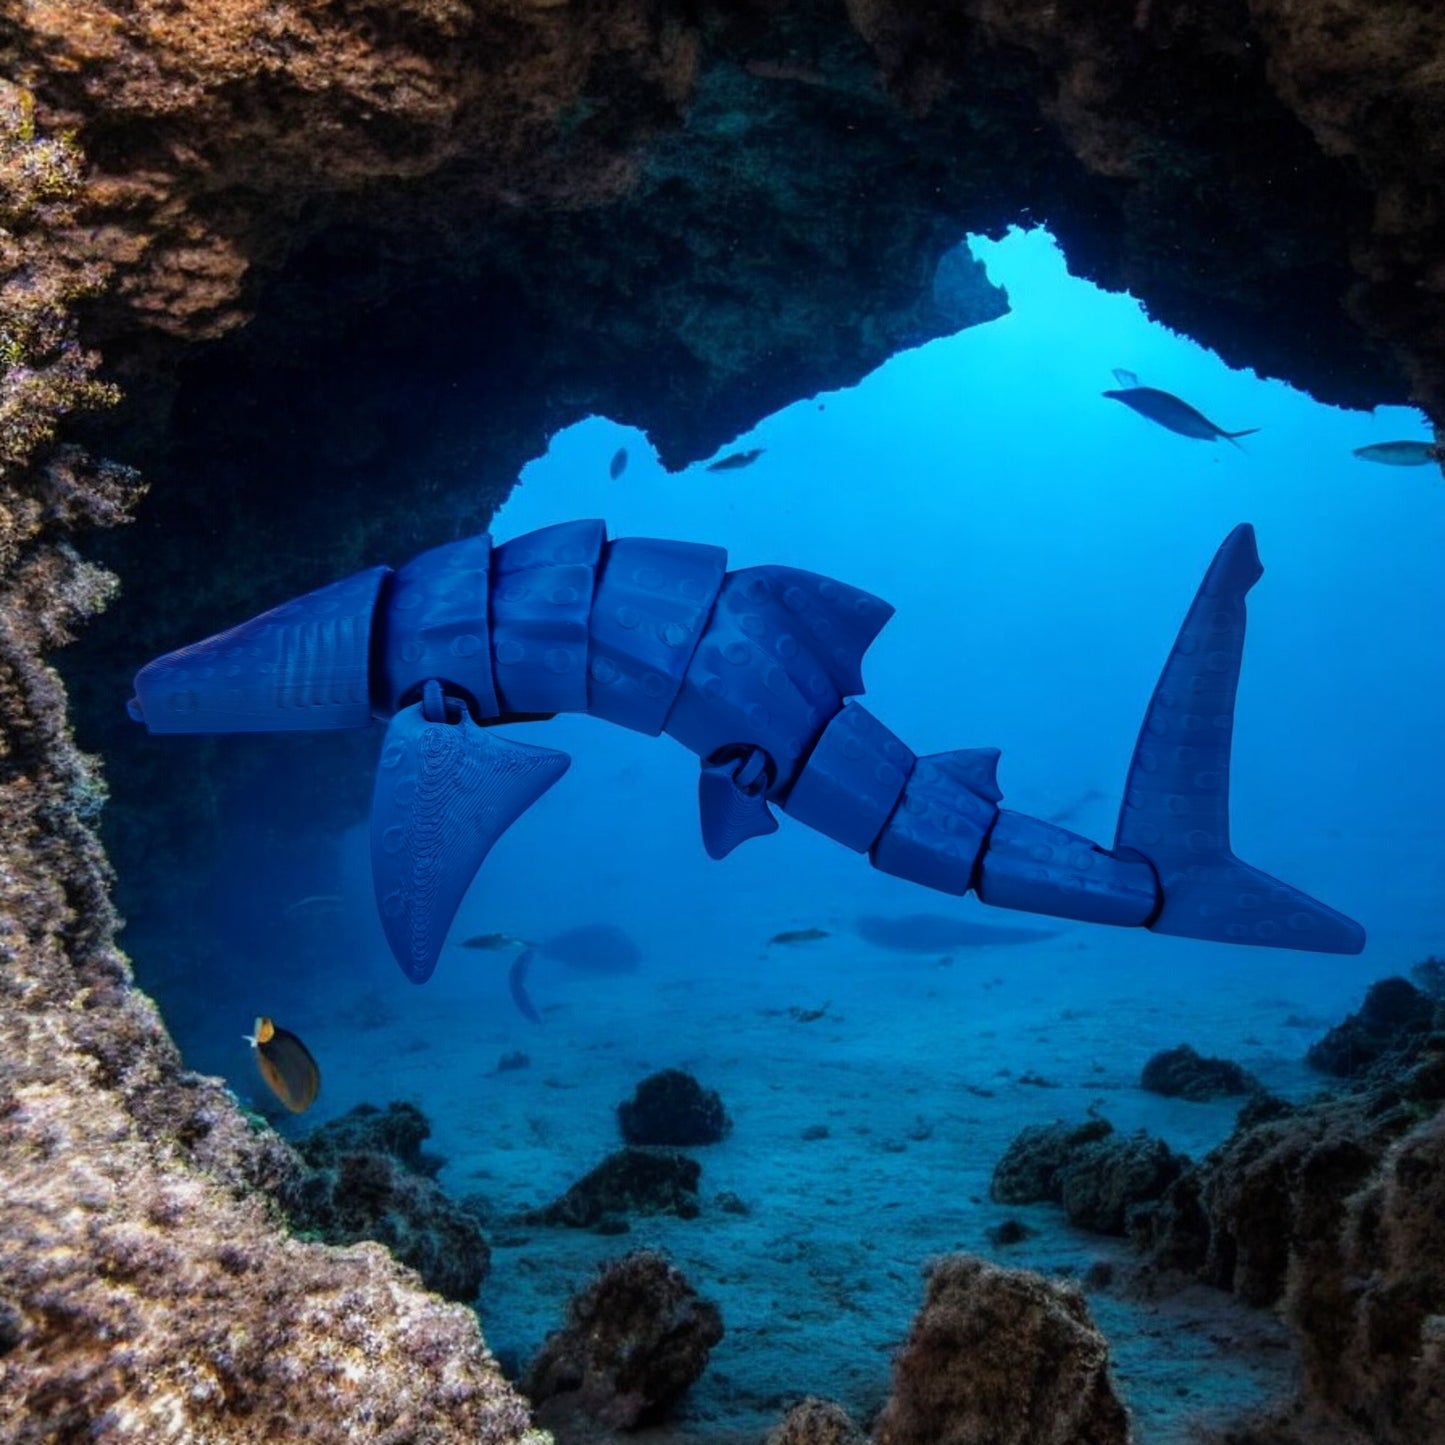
x=1230 y=436
x=1175 y=812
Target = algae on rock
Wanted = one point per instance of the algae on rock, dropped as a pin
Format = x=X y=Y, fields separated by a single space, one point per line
x=144 y=1294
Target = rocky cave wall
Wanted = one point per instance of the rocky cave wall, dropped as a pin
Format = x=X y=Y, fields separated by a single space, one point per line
x=379 y=250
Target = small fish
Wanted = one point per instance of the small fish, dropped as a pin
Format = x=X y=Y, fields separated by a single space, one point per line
x=735 y=461
x=938 y=932
x=1168 y=411
x=494 y=942
x=1401 y=454
x=314 y=904
x=799 y=935
x=517 y=984
x=618 y=464
x=286 y=1065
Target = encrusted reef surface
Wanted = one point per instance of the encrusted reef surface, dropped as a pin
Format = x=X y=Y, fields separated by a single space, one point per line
x=1335 y=1213
x=635 y=1340
x=1001 y=1357
x=1331 y=1212
x=147 y=1292
x=747 y=201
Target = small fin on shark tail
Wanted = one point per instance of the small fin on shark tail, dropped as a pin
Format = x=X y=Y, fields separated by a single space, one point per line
x=1230 y=436
x=1175 y=812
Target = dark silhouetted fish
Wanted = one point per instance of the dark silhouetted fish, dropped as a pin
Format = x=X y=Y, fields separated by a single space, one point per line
x=799 y=935
x=315 y=905
x=286 y=1065
x=517 y=984
x=1168 y=411
x=937 y=932
x=1401 y=454
x=595 y=948
x=494 y=942
x=618 y=464
x=735 y=461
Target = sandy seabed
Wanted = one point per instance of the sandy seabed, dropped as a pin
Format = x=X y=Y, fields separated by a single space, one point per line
x=920 y=1069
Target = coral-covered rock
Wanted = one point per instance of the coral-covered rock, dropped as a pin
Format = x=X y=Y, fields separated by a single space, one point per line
x=151 y=1302
x=1161 y=144
x=672 y=1108
x=1260 y=1108
x=1001 y=1357
x=1102 y=1183
x=636 y=1340
x=399 y=1130
x=1394 y=1016
x=1175 y=1229
x=816 y=1422
x=1429 y=977
x=1028 y=1171
x=1097 y=1176
x=1272 y=1188
x=1335 y=1211
x=1008 y=1232
x=12 y=1326
x=631 y=1181
x=360 y=1188
x=1183 y=1073
x=146 y=1297
x=1370 y=1306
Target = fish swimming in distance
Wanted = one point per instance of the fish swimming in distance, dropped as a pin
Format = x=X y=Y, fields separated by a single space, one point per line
x=799 y=935
x=618 y=464
x=937 y=932
x=314 y=905
x=494 y=942
x=1401 y=454
x=1167 y=410
x=735 y=461
x=597 y=948
x=286 y=1065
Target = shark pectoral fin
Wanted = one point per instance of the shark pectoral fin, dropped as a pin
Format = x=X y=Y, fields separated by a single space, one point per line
x=445 y=792
x=732 y=797
x=1176 y=800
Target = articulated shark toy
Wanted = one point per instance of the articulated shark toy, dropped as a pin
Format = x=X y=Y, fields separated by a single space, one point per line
x=755 y=671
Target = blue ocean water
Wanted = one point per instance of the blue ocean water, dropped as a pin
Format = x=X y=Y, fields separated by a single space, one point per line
x=1040 y=544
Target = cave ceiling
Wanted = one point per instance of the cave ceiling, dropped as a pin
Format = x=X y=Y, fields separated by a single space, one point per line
x=686 y=215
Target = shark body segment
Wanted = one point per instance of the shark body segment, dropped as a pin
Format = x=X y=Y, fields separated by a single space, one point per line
x=757 y=671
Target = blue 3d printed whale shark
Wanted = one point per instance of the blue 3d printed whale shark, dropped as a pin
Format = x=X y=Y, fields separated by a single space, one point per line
x=756 y=671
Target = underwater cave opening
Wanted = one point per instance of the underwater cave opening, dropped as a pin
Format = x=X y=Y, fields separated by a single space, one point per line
x=1040 y=543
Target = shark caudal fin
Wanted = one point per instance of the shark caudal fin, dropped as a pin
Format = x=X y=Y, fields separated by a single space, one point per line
x=1175 y=812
